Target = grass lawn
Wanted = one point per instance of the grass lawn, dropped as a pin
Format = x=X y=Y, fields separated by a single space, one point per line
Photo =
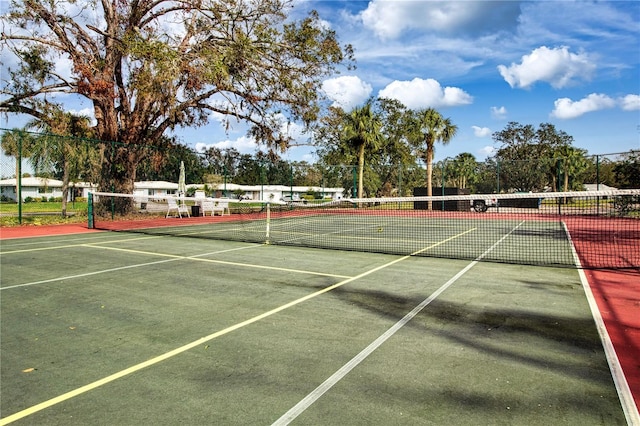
x=42 y=213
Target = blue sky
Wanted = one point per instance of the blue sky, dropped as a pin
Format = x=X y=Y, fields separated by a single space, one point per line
x=575 y=64
x=482 y=64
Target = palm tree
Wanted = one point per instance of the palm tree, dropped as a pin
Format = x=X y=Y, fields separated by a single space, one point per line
x=573 y=162
x=362 y=132
x=464 y=167
x=18 y=144
x=64 y=147
x=429 y=127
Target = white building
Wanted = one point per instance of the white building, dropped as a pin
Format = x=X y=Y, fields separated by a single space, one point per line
x=275 y=192
x=246 y=192
x=38 y=188
x=598 y=187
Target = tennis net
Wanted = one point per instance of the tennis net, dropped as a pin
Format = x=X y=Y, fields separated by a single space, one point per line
x=595 y=229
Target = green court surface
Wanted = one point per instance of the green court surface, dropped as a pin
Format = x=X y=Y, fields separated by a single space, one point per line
x=132 y=329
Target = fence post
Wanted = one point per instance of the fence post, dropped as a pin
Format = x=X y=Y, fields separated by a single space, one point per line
x=224 y=173
x=355 y=182
x=597 y=173
x=598 y=184
x=291 y=183
x=19 y=179
x=90 y=223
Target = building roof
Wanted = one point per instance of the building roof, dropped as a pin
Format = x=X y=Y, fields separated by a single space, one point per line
x=41 y=182
x=155 y=184
x=598 y=187
x=32 y=181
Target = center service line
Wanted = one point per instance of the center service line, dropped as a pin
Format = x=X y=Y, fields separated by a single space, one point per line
x=301 y=406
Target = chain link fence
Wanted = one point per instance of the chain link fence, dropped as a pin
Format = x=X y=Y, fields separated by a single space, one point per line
x=44 y=175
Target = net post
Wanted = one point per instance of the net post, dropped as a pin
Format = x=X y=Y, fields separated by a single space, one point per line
x=90 y=222
x=268 y=225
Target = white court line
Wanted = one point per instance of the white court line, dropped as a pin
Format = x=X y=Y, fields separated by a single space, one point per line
x=173 y=258
x=72 y=394
x=197 y=257
x=312 y=397
x=622 y=386
x=55 y=239
x=87 y=274
x=76 y=245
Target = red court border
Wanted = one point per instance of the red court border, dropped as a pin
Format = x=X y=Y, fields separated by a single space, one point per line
x=26 y=231
x=617 y=294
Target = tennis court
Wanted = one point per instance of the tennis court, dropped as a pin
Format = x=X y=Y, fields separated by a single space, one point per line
x=131 y=328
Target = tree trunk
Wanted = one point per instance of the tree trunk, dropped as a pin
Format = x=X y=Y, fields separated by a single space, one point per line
x=360 y=170
x=118 y=174
x=429 y=175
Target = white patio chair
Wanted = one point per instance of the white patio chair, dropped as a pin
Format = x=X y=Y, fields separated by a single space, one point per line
x=180 y=209
x=207 y=206
x=222 y=206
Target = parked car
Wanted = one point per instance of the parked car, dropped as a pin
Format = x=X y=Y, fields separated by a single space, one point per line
x=482 y=205
x=295 y=199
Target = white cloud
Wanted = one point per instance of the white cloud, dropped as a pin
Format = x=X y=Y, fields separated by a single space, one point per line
x=419 y=93
x=481 y=132
x=347 y=92
x=565 y=108
x=487 y=151
x=243 y=144
x=293 y=130
x=558 y=67
x=247 y=144
x=630 y=103
x=84 y=112
x=389 y=19
x=499 y=113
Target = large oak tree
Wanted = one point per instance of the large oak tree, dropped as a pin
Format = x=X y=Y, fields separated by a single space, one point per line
x=149 y=66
